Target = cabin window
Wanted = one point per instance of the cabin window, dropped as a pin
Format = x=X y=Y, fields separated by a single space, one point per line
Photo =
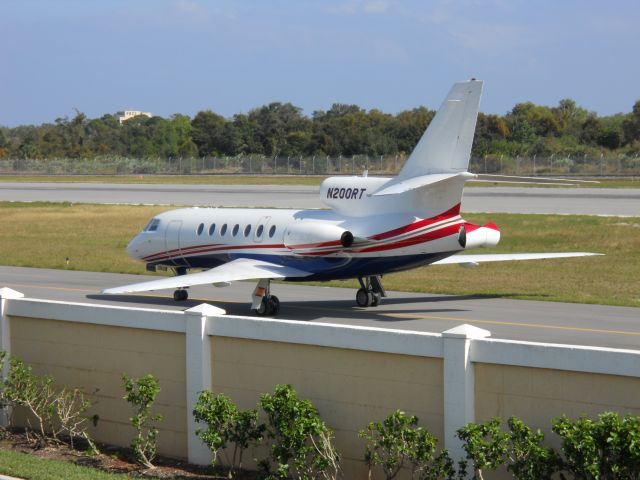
x=223 y=230
x=236 y=227
x=152 y=226
x=259 y=231
x=247 y=230
x=212 y=229
x=272 y=231
x=200 y=229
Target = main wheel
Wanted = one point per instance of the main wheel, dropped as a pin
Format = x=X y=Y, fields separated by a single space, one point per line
x=375 y=299
x=180 y=295
x=273 y=305
x=263 y=307
x=363 y=298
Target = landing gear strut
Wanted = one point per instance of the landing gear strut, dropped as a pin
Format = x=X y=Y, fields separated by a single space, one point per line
x=180 y=295
x=265 y=304
x=371 y=291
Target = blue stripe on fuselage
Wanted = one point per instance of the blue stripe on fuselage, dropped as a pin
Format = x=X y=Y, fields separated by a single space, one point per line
x=324 y=268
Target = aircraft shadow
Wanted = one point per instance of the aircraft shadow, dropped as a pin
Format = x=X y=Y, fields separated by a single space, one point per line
x=391 y=310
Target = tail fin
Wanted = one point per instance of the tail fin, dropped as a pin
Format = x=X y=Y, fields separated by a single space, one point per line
x=445 y=146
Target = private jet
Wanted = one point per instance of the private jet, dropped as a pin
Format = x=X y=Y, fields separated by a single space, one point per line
x=372 y=226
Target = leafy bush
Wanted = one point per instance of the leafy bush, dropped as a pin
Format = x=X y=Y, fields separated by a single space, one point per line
x=397 y=442
x=605 y=449
x=225 y=424
x=141 y=393
x=301 y=442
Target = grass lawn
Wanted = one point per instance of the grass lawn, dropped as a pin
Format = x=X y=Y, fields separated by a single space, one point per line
x=259 y=180
x=22 y=465
x=94 y=237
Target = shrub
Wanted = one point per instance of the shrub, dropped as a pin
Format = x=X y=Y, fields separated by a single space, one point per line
x=397 y=442
x=301 y=442
x=605 y=449
x=225 y=424
x=141 y=393
x=56 y=412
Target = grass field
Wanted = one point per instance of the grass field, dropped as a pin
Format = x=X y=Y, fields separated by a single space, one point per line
x=22 y=465
x=94 y=238
x=256 y=180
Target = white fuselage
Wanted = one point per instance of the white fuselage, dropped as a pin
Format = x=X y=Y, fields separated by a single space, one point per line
x=305 y=239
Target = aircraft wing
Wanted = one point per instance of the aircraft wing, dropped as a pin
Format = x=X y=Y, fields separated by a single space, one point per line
x=239 y=269
x=504 y=257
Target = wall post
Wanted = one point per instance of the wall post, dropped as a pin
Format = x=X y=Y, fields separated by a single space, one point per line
x=198 y=374
x=5 y=340
x=459 y=384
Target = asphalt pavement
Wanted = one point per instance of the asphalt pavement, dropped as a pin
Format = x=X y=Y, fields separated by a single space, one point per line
x=537 y=321
x=569 y=201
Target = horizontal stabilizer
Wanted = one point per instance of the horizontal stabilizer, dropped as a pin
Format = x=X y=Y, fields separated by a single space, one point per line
x=505 y=257
x=418 y=182
x=567 y=182
x=240 y=269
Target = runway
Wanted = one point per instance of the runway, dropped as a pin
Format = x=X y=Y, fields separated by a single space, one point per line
x=570 y=201
x=574 y=324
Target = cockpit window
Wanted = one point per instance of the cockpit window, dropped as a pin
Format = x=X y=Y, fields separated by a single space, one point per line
x=153 y=225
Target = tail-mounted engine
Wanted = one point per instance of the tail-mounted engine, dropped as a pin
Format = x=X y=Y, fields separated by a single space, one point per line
x=311 y=237
x=474 y=236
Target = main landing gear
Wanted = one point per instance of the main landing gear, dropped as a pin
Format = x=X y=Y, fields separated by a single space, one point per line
x=265 y=304
x=371 y=291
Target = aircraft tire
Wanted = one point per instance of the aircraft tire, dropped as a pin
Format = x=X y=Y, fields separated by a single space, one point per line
x=363 y=298
x=376 y=299
x=263 y=308
x=180 y=295
x=273 y=305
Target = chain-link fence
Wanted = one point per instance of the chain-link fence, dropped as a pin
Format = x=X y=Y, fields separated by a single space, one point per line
x=317 y=165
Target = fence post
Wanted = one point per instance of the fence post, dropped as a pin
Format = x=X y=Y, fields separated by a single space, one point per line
x=5 y=340
x=459 y=384
x=534 y=164
x=313 y=165
x=198 y=374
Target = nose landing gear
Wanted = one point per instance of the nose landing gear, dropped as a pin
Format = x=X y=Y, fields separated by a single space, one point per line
x=180 y=295
x=265 y=304
x=371 y=291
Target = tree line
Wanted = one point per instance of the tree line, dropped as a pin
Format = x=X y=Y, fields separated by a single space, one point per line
x=281 y=129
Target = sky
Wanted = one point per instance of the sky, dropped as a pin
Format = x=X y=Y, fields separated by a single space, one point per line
x=184 y=56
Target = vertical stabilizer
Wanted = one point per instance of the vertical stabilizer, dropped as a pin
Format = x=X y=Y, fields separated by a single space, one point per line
x=445 y=146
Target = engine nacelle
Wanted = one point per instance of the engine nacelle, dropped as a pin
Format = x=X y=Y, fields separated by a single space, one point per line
x=309 y=235
x=485 y=236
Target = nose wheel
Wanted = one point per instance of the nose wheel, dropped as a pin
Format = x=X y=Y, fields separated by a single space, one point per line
x=180 y=295
x=371 y=292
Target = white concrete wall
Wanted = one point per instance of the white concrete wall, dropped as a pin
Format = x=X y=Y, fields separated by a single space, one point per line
x=460 y=349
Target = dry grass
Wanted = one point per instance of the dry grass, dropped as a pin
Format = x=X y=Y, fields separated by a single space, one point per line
x=94 y=237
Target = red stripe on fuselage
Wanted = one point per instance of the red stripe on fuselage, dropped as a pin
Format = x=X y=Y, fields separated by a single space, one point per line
x=192 y=250
x=452 y=212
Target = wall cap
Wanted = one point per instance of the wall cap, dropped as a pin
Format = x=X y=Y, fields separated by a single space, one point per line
x=6 y=292
x=466 y=331
x=205 y=310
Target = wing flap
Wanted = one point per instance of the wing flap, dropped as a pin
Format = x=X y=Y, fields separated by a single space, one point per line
x=239 y=269
x=505 y=257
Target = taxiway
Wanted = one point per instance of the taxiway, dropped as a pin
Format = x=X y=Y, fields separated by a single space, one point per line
x=569 y=201
x=539 y=321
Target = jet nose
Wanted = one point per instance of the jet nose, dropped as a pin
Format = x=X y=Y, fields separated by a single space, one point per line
x=133 y=249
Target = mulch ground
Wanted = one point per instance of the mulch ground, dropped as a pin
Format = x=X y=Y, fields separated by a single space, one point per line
x=113 y=459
